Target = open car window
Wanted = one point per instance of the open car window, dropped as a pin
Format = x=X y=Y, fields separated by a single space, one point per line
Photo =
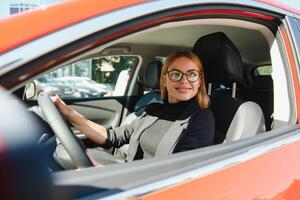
x=90 y=78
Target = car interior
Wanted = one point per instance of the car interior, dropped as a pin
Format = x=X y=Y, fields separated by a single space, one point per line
x=242 y=77
x=247 y=76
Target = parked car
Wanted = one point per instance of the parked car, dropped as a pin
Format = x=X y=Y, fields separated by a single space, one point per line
x=80 y=84
x=262 y=35
x=52 y=87
x=100 y=87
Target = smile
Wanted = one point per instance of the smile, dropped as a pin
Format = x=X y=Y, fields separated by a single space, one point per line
x=183 y=90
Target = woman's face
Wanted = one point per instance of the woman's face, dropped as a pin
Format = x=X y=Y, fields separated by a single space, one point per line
x=184 y=89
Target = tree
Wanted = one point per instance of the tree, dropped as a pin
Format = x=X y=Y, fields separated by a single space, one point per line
x=119 y=63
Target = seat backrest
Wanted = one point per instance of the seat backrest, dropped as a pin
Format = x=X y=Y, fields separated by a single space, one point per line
x=264 y=96
x=151 y=82
x=261 y=92
x=235 y=118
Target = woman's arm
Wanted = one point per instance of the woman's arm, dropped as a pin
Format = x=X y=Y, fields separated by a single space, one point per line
x=92 y=130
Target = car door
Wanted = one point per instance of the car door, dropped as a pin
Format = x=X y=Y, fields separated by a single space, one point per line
x=216 y=172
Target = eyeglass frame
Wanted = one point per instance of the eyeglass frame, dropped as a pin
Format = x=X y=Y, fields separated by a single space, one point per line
x=184 y=74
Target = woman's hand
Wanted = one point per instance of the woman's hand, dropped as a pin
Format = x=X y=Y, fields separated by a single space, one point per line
x=64 y=109
x=94 y=131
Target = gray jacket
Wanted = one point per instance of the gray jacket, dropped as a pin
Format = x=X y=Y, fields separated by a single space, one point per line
x=202 y=131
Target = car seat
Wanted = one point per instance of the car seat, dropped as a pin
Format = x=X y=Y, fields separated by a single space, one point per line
x=235 y=119
x=151 y=82
x=261 y=92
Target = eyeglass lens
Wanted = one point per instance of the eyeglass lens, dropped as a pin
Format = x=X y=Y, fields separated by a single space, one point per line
x=176 y=75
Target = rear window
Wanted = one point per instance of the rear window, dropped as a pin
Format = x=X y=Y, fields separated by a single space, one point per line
x=264 y=70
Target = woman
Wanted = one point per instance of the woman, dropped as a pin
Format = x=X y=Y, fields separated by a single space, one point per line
x=183 y=122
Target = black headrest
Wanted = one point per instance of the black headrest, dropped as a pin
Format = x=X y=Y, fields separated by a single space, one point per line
x=152 y=75
x=220 y=58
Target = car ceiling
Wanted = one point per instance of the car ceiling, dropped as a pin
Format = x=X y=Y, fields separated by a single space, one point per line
x=253 y=40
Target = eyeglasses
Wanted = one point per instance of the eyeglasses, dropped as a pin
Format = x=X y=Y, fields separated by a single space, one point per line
x=176 y=75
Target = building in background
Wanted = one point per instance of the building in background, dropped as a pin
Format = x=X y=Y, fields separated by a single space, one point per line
x=11 y=7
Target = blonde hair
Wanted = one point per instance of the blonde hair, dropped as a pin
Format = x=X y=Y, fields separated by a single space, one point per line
x=202 y=97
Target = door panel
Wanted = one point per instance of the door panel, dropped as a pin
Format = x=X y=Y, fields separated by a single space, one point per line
x=106 y=112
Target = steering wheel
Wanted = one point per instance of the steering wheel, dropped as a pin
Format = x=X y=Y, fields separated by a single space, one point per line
x=63 y=132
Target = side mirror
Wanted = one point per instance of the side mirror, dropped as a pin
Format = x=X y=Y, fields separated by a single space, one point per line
x=30 y=90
